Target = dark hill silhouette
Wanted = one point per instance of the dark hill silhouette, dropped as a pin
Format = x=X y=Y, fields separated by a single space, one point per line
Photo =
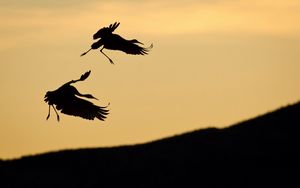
x=261 y=152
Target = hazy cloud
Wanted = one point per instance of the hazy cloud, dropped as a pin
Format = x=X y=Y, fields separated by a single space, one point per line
x=52 y=19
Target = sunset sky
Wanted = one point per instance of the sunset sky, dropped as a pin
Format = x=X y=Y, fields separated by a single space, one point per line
x=214 y=63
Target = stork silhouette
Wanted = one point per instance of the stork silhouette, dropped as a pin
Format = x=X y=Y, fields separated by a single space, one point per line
x=111 y=41
x=65 y=99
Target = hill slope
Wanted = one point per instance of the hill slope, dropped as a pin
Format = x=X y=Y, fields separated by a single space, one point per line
x=255 y=153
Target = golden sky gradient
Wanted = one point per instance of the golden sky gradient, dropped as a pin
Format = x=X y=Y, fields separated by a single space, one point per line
x=214 y=63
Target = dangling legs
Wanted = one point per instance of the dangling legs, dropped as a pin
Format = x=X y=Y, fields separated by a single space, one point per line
x=106 y=56
x=48 y=113
x=55 y=112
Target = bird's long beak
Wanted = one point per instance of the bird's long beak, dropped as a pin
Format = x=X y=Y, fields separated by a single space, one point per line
x=86 y=52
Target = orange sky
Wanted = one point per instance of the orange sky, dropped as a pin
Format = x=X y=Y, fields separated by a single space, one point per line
x=214 y=63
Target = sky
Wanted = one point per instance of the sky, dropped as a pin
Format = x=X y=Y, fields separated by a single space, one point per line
x=214 y=63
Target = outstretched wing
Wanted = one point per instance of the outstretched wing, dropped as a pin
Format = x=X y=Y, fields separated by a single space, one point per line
x=132 y=47
x=106 y=30
x=114 y=26
x=84 y=109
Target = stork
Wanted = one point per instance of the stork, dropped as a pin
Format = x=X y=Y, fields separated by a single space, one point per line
x=68 y=100
x=111 y=41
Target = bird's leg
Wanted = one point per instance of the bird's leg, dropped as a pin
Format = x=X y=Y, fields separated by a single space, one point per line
x=111 y=61
x=48 y=113
x=56 y=113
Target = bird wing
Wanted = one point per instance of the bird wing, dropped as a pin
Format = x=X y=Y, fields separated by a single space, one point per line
x=84 y=109
x=134 y=49
x=106 y=31
x=114 y=26
x=128 y=46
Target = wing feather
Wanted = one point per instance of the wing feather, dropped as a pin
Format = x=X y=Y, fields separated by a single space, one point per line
x=116 y=42
x=84 y=109
x=134 y=49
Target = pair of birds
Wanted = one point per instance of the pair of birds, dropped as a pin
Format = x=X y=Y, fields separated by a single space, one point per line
x=67 y=98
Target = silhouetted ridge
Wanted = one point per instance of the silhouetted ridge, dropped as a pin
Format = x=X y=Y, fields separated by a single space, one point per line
x=261 y=152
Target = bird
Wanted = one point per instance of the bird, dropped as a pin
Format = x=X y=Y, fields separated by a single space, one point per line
x=68 y=100
x=111 y=41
